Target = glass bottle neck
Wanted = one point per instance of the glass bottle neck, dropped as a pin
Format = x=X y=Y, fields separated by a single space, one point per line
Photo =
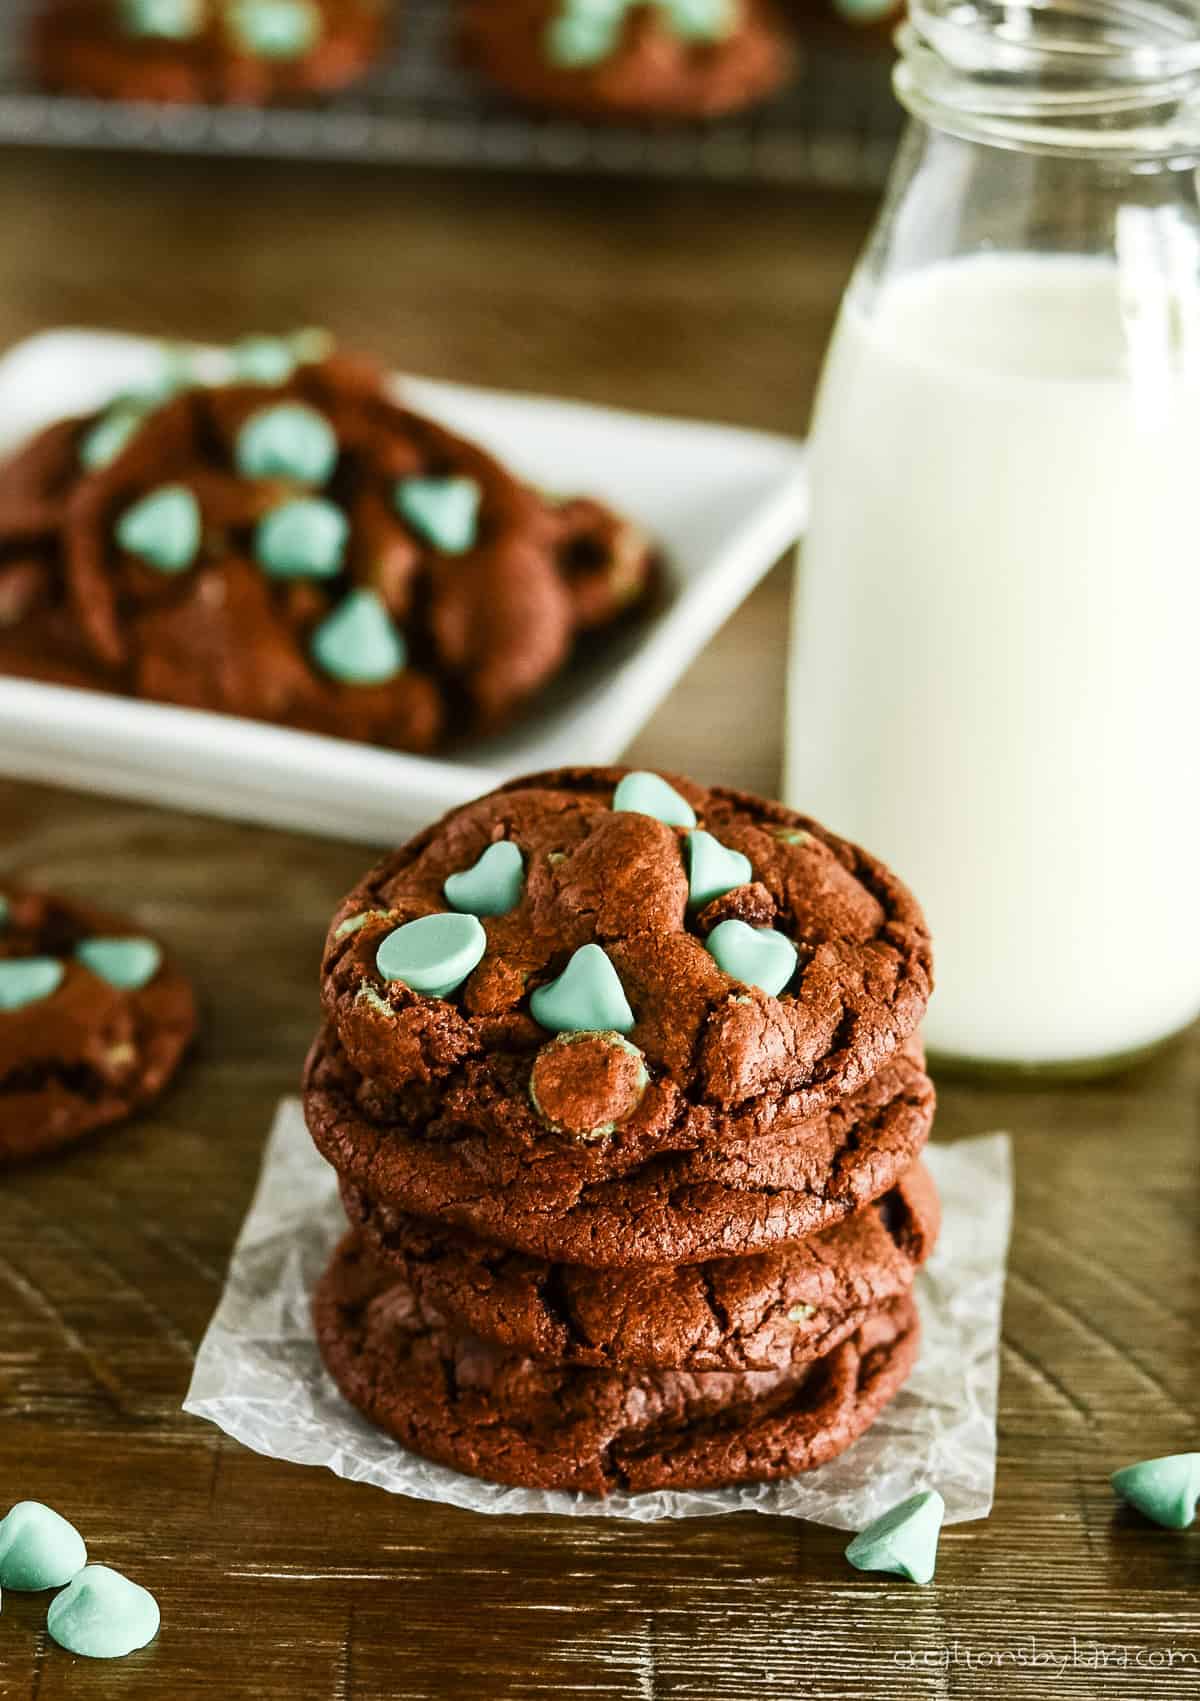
x=1116 y=79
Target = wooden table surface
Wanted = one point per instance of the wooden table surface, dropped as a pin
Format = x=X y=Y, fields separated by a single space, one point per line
x=277 y=1581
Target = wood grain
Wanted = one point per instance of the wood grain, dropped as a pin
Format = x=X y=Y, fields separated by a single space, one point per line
x=277 y=1581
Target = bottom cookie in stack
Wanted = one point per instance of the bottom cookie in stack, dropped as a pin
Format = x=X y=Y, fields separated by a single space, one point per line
x=688 y=1376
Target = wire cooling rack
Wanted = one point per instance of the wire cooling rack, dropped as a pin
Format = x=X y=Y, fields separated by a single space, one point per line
x=836 y=125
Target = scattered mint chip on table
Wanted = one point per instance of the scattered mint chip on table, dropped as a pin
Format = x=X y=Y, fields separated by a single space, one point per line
x=1164 y=1490
x=39 y=1549
x=102 y=1615
x=904 y=1541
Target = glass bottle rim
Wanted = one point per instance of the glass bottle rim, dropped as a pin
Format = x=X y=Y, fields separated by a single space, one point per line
x=1106 y=77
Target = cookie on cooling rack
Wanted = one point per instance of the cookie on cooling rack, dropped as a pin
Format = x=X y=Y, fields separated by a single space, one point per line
x=629 y=59
x=206 y=52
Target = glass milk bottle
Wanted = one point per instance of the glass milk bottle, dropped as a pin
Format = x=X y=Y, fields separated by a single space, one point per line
x=995 y=673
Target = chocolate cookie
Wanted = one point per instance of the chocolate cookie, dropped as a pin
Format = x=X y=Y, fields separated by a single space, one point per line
x=46 y=647
x=205 y=51
x=38 y=636
x=629 y=59
x=577 y=1203
x=500 y=1415
x=766 y=1312
x=596 y=958
x=304 y=551
x=94 y=1019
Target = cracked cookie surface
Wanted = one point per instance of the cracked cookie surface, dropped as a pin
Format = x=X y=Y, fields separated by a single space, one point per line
x=500 y=1415
x=87 y=1036
x=580 y=1203
x=762 y=1312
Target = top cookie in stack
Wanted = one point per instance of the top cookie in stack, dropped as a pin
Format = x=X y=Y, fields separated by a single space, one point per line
x=617 y=1024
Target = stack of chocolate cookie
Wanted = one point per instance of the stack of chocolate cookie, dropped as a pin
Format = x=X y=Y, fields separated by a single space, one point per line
x=621 y=1082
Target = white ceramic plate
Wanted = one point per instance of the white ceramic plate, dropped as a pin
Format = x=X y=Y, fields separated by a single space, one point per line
x=724 y=504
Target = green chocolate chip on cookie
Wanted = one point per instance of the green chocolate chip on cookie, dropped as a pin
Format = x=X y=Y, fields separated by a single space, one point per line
x=27 y=980
x=302 y=539
x=713 y=869
x=353 y=923
x=163 y=529
x=110 y=435
x=759 y=956
x=864 y=11
x=586 y=1084
x=290 y=440
x=175 y=373
x=273 y=360
x=358 y=643
x=700 y=20
x=367 y=995
x=583 y=35
x=646 y=794
x=442 y=511
x=103 y=1615
x=263 y=360
x=275 y=29
x=38 y=1548
x=493 y=885
x=434 y=954
x=162 y=20
x=904 y=1541
x=128 y=964
x=586 y=32
x=1164 y=1490
x=312 y=344
x=586 y=998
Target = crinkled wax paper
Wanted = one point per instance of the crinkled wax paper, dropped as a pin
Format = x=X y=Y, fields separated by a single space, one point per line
x=259 y=1377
